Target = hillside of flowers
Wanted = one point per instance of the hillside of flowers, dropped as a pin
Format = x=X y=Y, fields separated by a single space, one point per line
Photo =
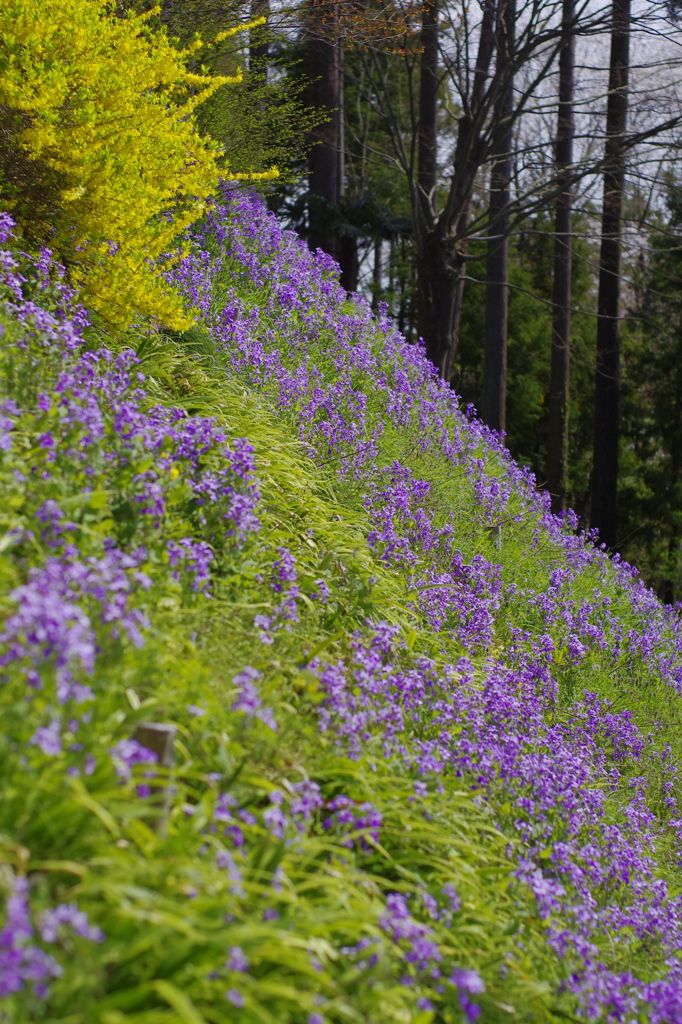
x=425 y=736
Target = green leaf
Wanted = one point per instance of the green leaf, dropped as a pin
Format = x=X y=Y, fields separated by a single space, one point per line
x=184 y=1007
x=84 y=798
x=98 y=499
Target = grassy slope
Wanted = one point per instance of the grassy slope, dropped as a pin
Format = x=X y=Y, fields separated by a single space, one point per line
x=161 y=901
x=86 y=839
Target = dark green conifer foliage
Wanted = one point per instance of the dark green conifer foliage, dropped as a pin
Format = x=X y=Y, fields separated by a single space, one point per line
x=651 y=452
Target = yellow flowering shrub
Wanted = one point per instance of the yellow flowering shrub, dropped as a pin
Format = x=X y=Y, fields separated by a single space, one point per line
x=98 y=146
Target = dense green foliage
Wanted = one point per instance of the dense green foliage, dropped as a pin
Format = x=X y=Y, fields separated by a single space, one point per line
x=651 y=481
x=161 y=901
x=300 y=904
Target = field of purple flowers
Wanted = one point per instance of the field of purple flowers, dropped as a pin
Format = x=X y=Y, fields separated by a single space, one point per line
x=427 y=736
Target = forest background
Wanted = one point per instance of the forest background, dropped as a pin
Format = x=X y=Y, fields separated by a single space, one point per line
x=454 y=159
x=503 y=176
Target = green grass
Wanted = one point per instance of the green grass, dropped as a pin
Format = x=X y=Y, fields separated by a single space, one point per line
x=162 y=900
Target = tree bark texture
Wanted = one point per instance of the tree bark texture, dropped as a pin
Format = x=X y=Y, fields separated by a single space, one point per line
x=439 y=300
x=376 y=273
x=349 y=261
x=607 y=377
x=442 y=252
x=557 y=435
x=325 y=156
x=427 y=137
x=433 y=275
x=497 y=262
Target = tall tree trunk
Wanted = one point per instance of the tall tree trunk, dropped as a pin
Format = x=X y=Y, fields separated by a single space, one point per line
x=347 y=244
x=325 y=156
x=326 y=171
x=438 y=274
x=427 y=137
x=671 y=580
x=440 y=265
x=349 y=262
x=497 y=262
x=557 y=436
x=376 y=273
x=432 y=271
x=607 y=377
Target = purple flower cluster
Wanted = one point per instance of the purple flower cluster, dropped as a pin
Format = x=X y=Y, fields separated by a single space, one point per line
x=148 y=454
x=249 y=700
x=67 y=915
x=283 y=584
x=288 y=814
x=570 y=790
x=139 y=473
x=422 y=951
x=468 y=983
x=355 y=821
x=51 y=624
x=126 y=754
x=97 y=419
x=9 y=412
x=22 y=962
x=33 y=292
x=237 y=960
x=463 y=598
x=580 y=828
x=196 y=557
x=301 y=305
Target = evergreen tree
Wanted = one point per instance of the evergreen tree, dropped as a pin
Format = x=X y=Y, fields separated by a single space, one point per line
x=650 y=493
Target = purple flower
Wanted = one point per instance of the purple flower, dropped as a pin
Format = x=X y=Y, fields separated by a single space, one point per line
x=68 y=915
x=128 y=753
x=452 y=897
x=49 y=738
x=237 y=960
x=196 y=557
x=226 y=860
x=249 y=700
x=467 y=980
x=235 y=997
x=21 y=962
x=276 y=821
x=306 y=801
x=51 y=624
x=468 y=983
x=356 y=821
x=422 y=951
x=7 y=225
